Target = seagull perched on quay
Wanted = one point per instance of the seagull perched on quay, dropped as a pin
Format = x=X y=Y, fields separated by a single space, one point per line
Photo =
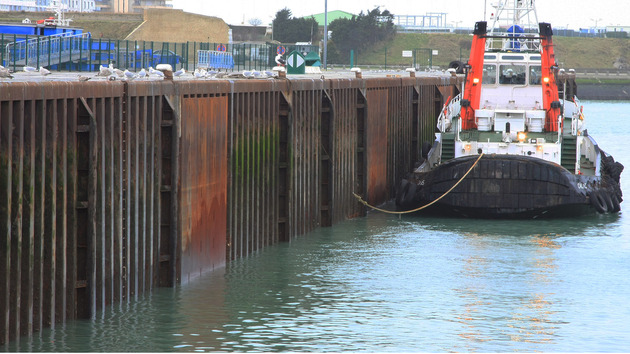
x=199 y=73
x=105 y=70
x=43 y=71
x=142 y=74
x=279 y=60
x=179 y=72
x=29 y=69
x=5 y=73
x=129 y=75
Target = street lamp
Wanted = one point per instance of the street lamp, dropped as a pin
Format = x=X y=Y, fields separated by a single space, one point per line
x=325 y=32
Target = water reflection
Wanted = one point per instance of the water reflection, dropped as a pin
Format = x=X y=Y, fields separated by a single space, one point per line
x=590 y=225
x=386 y=284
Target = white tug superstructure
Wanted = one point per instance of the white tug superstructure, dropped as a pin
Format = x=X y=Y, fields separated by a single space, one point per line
x=512 y=113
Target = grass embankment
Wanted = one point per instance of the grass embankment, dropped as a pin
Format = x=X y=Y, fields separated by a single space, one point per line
x=571 y=52
x=101 y=25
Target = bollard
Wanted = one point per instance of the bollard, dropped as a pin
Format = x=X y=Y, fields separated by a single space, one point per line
x=167 y=69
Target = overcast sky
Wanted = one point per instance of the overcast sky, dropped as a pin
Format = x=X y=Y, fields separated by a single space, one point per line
x=560 y=13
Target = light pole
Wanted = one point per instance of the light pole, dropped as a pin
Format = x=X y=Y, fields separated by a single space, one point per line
x=325 y=32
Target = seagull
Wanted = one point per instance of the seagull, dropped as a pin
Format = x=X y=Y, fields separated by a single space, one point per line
x=119 y=72
x=269 y=73
x=43 y=71
x=142 y=74
x=152 y=71
x=158 y=73
x=279 y=60
x=4 y=73
x=220 y=75
x=179 y=72
x=256 y=74
x=83 y=78
x=199 y=73
x=129 y=75
x=29 y=69
x=248 y=74
x=104 y=70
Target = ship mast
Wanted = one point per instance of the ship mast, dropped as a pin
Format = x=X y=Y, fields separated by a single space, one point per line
x=518 y=20
x=514 y=12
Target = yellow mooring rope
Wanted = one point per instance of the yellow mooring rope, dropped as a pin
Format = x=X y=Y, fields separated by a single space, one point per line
x=426 y=205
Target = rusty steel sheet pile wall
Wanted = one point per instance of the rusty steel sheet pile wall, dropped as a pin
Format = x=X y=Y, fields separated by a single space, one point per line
x=203 y=177
x=256 y=116
x=345 y=151
x=109 y=189
x=80 y=189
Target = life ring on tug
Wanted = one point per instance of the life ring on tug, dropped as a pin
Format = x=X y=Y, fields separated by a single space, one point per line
x=598 y=201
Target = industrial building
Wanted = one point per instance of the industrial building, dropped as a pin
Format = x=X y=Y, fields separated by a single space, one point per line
x=114 y=6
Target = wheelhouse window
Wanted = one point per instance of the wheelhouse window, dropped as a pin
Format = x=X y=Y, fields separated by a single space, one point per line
x=489 y=74
x=512 y=74
x=535 y=74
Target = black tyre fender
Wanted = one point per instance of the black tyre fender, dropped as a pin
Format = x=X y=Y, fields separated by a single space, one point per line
x=426 y=147
x=400 y=191
x=598 y=202
x=616 y=203
x=610 y=205
x=457 y=65
x=408 y=194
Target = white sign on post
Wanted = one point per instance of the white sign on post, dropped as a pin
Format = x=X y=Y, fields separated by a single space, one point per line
x=407 y=53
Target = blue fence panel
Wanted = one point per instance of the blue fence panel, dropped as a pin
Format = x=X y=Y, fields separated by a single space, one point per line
x=214 y=59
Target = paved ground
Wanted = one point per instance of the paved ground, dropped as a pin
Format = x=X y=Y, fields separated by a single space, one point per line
x=21 y=76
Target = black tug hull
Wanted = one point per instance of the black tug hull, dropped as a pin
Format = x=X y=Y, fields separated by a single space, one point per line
x=508 y=186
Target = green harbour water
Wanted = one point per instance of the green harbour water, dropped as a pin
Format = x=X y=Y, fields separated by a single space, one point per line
x=385 y=283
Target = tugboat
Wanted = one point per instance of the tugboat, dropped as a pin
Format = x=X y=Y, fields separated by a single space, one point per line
x=511 y=145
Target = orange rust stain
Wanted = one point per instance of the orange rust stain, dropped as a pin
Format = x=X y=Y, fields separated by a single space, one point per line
x=376 y=146
x=204 y=172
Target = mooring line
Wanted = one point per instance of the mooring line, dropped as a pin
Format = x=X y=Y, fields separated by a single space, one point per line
x=424 y=206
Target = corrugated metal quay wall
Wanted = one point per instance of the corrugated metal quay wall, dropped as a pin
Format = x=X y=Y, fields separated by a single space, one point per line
x=108 y=189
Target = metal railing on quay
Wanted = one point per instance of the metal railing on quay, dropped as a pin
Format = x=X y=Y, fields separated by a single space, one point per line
x=87 y=54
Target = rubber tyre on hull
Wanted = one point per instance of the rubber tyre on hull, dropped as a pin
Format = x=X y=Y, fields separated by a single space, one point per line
x=615 y=206
x=407 y=194
x=598 y=201
x=399 y=191
x=457 y=65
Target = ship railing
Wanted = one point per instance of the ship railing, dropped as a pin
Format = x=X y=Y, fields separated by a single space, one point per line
x=516 y=44
x=448 y=111
x=587 y=147
x=44 y=51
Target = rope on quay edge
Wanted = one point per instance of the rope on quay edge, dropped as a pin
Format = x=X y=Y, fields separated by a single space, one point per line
x=424 y=206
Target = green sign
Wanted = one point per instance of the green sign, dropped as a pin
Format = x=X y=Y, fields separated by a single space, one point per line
x=296 y=63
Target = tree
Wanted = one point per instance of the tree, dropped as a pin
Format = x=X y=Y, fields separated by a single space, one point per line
x=287 y=29
x=360 y=32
